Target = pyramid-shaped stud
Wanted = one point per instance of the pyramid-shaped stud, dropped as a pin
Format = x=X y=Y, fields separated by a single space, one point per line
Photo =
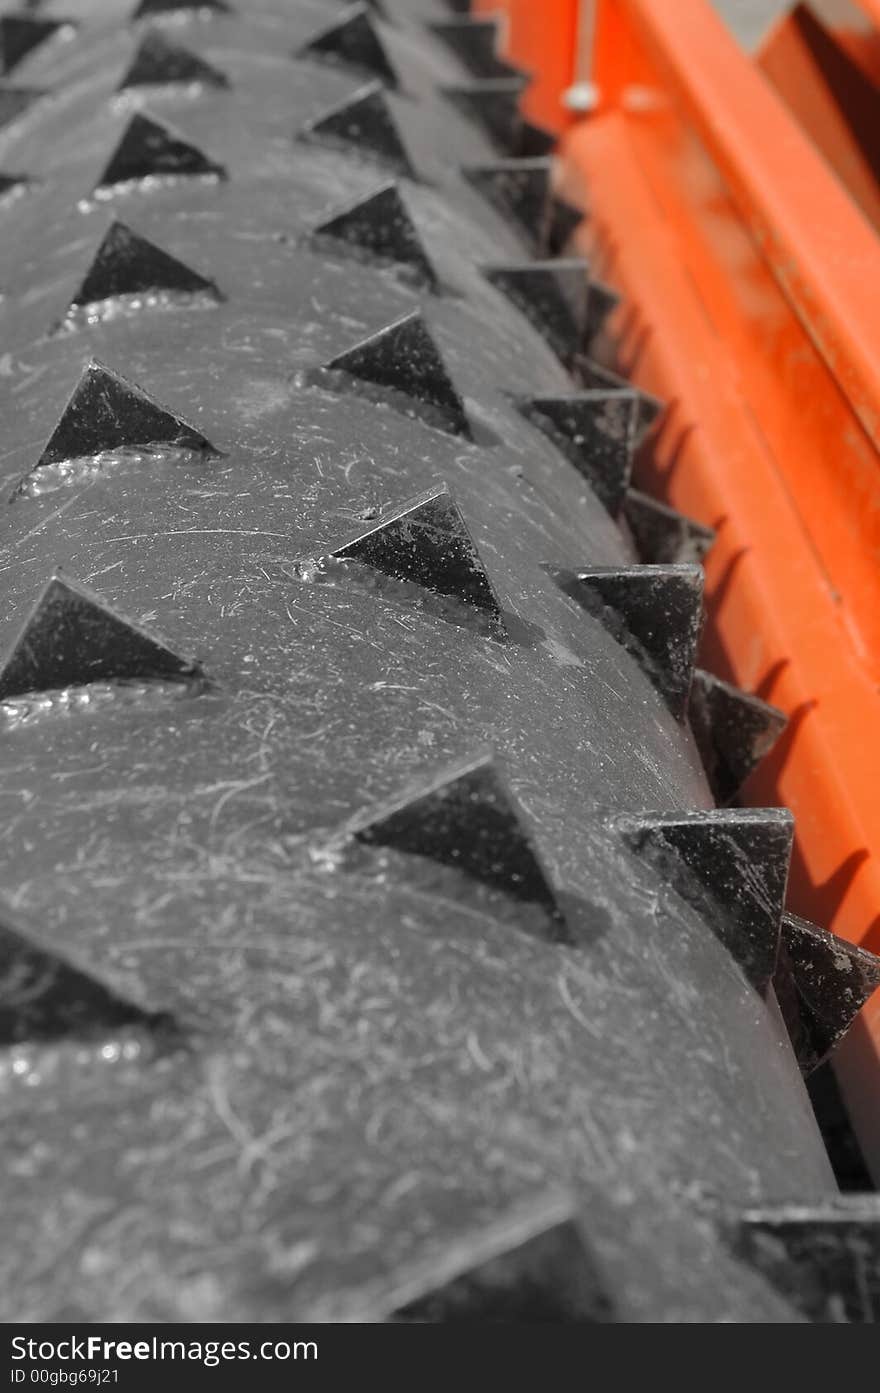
x=535 y=142
x=352 y=42
x=825 y=1257
x=602 y=300
x=467 y=818
x=533 y=1269
x=592 y=375
x=381 y=224
x=474 y=43
x=564 y=221
x=127 y=264
x=403 y=357
x=732 y=865
x=822 y=982
x=654 y=612
x=493 y=104
x=166 y=7
x=158 y=63
x=15 y=101
x=519 y=190
x=147 y=148
x=47 y=998
x=107 y=412
x=72 y=637
x=663 y=535
x=364 y=123
x=552 y=295
x=20 y=34
x=596 y=431
x=733 y=731
x=426 y=541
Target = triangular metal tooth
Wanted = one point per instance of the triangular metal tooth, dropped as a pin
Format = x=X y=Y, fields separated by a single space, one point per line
x=535 y=142
x=824 y=1257
x=733 y=731
x=20 y=34
x=474 y=41
x=106 y=412
x=72 y=637
x=467 y=818
x=46 y=998
x=553 y=296
x=164 y=7
x=591 y=375
x=382 y=225
x=732 y=864
x=536 y=1269
x=663 y=535
x=148 y=148
x=15 y=101
x=127 y=264
x=426 y=541
x=364 y=122
x=404 y=358
x=493 y=104
x=158 y=63
x=822 y=982
x=601 y=302
x=565 y=219
x=518 y=189
x=654 y=612
x=596 y=431
x=353 y=42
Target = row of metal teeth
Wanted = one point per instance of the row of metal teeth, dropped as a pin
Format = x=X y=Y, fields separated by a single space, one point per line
x=73 y=638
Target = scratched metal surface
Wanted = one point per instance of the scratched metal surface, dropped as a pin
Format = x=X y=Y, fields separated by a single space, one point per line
x=376 y=1065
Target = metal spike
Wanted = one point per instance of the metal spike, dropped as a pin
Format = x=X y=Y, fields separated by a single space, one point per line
x=601 y=302
x=534 y=1269
x=106 y=411
x=73 y=637
x=474 y=42
x=426 y=541
x=733 y=730
x=127 y=264
x=596 y=431
x=158 y=63
x=822 y=982
x=654 y=612
x=565 y=220
x=20 y=34
x=467 y=818
x=519 y=189
x=732 y=864
x=663 y=535
x=494 y=105
x=535 y=142
x=551 y=294
x=352 y=42
x=364 y=122
x=824 y=1257
x=591 y=375
x=381 y=224
x=46 y=998
x=404 y=357
x=149 y=148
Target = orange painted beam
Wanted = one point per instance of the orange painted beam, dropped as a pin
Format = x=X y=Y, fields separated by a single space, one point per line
x=542 y=38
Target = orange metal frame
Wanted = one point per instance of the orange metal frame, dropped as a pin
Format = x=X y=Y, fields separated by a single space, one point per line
x=751 y=303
